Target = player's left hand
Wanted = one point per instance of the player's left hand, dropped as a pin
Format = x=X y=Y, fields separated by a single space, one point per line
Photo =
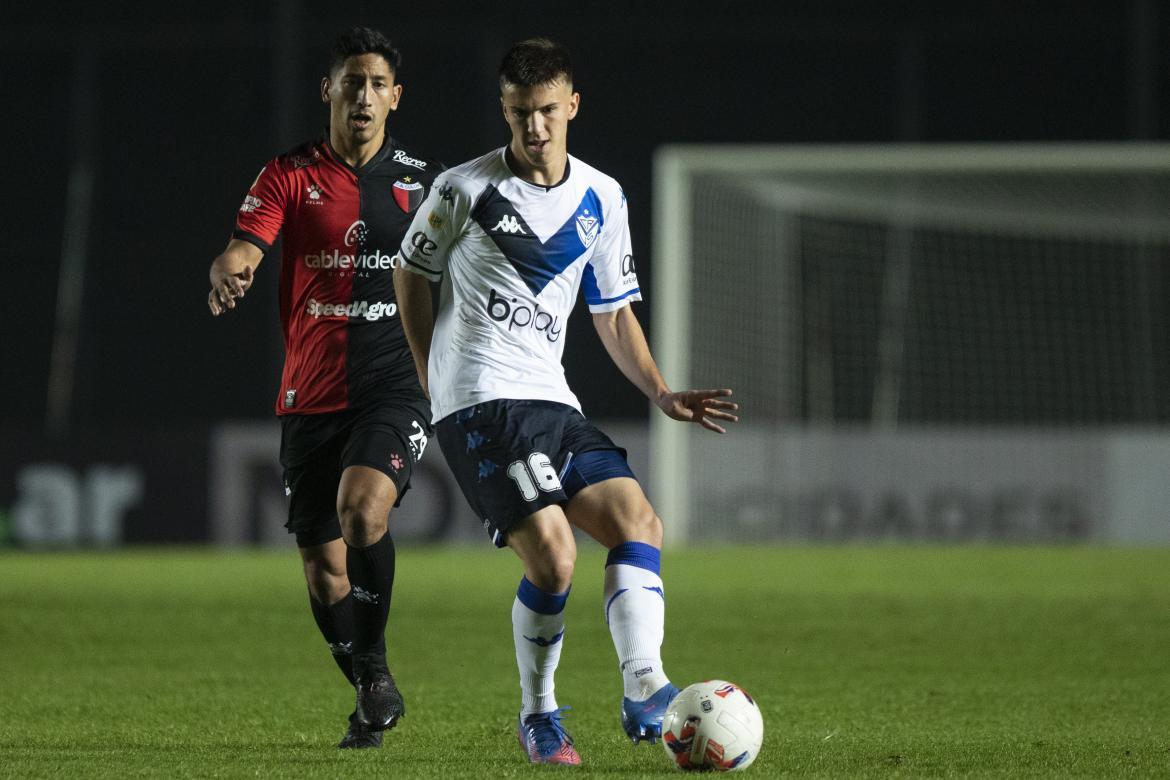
x=700 y=406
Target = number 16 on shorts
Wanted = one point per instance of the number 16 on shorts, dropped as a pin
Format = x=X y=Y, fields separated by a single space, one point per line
x=536 y=473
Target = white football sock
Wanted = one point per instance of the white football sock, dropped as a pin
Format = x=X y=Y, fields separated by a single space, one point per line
x=635 y=609
x=538 y=626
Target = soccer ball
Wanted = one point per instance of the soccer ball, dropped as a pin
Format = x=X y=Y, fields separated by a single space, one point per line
x=713 y=725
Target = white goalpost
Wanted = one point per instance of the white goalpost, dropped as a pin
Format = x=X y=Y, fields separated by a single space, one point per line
x=852 y=294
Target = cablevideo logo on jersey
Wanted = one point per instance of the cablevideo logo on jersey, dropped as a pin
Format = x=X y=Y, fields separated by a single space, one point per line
x=519 y=315
x=364 y=309
x=336 y=260
x=356 y=233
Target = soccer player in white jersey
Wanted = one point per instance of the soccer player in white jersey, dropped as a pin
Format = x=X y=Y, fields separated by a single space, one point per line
x=512 y=236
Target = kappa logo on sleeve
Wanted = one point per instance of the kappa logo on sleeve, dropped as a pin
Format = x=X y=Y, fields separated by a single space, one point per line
x=509 y=224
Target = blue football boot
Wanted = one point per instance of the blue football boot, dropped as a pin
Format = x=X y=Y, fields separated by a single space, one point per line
x=545 y=741
x=642 y=720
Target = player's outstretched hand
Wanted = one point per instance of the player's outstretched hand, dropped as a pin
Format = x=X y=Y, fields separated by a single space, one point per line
x=227 y=288
x=700 y=406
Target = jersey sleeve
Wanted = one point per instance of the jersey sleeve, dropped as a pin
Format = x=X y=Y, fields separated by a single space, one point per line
x=262 y=213
x=437 y=223
x=609 y=281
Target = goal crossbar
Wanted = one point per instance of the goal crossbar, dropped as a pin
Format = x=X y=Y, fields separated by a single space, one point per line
x=903 y=174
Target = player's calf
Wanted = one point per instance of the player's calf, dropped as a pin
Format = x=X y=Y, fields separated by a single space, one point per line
x=635 y=610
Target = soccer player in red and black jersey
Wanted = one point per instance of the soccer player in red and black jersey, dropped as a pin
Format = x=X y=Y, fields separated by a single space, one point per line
x=354 y=420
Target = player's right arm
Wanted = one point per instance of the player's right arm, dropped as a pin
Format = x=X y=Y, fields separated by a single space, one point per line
x=231 y=274
x=422 y=258
x=257 y=224
x=418 y=320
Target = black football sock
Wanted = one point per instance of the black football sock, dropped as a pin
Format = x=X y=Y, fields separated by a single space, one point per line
x=371 y=579
x=336 y=624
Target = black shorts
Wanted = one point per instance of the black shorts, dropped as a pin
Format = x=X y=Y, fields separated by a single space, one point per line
x=316 y=448
x=513 y=458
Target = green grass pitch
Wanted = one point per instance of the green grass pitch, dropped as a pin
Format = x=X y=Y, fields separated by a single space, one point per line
x=866 y=661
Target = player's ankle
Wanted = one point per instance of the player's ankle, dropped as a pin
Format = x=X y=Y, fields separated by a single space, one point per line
x=365 y=664
x=641 y=679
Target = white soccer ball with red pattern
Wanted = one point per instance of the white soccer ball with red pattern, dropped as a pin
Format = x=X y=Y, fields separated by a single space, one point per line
x=713 y=725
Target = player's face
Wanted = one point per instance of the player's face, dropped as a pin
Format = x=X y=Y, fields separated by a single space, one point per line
x=361 y=93
x=539 y=117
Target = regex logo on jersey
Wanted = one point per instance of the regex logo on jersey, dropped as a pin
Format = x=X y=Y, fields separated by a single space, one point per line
x=519 y=315
x=404 y=158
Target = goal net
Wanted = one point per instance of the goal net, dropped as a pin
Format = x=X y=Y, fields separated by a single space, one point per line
x=875 y=290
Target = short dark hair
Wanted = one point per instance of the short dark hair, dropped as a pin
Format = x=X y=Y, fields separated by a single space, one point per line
x=536 y=61
x=363 y=40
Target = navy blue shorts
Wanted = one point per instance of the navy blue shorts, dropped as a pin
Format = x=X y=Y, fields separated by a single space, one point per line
x=513 y=458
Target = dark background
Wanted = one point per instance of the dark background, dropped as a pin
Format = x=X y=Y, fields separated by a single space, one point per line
x=176 y=107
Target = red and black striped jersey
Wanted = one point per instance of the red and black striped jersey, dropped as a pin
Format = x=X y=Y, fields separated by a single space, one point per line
x=341 y=226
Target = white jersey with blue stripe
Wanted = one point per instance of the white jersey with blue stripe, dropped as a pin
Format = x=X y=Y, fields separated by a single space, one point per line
x=511 y=256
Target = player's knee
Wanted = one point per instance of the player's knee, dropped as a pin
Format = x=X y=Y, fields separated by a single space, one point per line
x=326 y=583
x=561 y=570
x=554 y=573
x=655 y=530
x=643 y=525
x=363 y=520
x=554 y=563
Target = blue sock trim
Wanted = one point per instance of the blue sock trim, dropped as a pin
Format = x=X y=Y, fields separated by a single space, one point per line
x=538 y=601
x=644 y=556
